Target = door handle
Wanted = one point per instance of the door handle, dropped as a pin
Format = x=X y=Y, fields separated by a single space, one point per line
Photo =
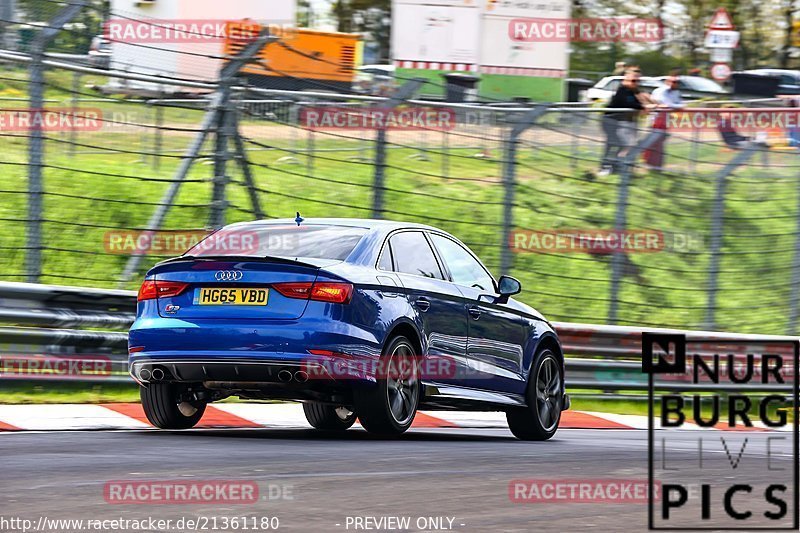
x=422 y=303
x=475 y=312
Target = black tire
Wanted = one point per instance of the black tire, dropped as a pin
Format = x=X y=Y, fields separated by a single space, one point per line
x=328 y=417
x=388 y=409
x=163 y=410
x=539 y=420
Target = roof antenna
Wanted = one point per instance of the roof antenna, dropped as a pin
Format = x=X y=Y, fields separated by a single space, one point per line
x=299 y=219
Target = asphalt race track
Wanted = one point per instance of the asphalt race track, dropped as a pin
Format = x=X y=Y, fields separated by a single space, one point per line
x=318 y=480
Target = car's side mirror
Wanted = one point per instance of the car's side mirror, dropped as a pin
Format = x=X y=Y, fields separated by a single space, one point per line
x=507 y=286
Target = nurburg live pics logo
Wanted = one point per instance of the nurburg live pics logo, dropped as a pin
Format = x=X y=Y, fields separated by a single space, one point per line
x=725 y=453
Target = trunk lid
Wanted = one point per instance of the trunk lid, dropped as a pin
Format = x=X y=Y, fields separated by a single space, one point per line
x=234 y=288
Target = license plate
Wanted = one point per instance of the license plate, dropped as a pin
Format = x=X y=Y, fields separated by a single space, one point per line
x=230 y=296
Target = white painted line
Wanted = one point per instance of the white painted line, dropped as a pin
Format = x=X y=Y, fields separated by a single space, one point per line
x=66 y=416
x=632 y=421
x=289 y=415
x=472 y=420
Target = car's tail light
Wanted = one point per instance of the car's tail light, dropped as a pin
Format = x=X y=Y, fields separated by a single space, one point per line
x=324 y=291
x=338 y=293
x=294 y=290
x=151 y=289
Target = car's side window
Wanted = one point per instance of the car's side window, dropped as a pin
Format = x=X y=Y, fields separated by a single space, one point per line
x=464 y=268
x=413 y=255
x=385 y=262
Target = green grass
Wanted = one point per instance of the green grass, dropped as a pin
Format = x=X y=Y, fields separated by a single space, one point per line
x=107 y=184
x=659 y=289
x=27 y=393
x=622 y=407
x=633 y=407
x=44 y=392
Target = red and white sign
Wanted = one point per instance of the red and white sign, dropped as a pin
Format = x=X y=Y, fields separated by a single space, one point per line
x=721 y=71
x=721 y=20
x=721 y=32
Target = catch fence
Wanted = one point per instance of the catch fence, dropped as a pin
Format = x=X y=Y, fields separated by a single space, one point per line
x=711 y=241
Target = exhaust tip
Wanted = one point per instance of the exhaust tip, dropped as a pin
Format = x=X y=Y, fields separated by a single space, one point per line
x=301 y=376
x=157 y=374
x=285 y=376
x=144 y=374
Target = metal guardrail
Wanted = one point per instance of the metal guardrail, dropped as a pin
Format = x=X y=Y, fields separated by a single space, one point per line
x=43 y=325
x=45 y=329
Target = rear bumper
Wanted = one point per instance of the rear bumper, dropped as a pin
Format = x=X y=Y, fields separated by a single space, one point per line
x=248 y=339
x=269 y=368
x=200 y=370
x=250 y=351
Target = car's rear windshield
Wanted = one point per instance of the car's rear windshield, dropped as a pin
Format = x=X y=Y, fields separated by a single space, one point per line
x=289 y=241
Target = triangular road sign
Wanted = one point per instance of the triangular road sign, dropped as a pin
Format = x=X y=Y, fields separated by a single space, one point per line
x=721 y=20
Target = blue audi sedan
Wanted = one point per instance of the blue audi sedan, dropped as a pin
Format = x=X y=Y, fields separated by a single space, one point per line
x=367 y=319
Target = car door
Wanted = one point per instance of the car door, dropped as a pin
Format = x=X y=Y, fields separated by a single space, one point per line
x=438 y=304
x=497 y=334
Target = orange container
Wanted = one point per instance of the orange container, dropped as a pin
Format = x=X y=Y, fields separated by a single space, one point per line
x=301 y=58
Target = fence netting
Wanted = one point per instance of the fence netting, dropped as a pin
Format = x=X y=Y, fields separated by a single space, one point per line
x=697 y=243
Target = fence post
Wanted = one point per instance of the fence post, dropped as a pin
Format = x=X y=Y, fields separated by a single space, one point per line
x=8 y=11
x=244 y=165
x=404 y=92
x=222 y=137
x=446 y=153
x=519 y=126
x=73 y=134
x=33 y=256
x=294 y=122
x=212 y=118
x=717 y=232
x=621 y=218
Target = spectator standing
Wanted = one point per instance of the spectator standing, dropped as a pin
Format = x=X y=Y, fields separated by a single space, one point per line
x=793 y=132
x=620 y=126
x=666 y=98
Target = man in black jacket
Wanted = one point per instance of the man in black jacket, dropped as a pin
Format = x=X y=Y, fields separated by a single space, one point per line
x=620 y=126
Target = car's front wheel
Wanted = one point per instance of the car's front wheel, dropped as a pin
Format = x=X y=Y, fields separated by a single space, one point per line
x=166 y=409
x=545 y=397
x=328 y=417
x=389 y=407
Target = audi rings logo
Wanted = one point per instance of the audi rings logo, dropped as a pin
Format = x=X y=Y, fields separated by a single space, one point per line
x=228 y=275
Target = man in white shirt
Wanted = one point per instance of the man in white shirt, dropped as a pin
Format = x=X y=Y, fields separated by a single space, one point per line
x=667 y=97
